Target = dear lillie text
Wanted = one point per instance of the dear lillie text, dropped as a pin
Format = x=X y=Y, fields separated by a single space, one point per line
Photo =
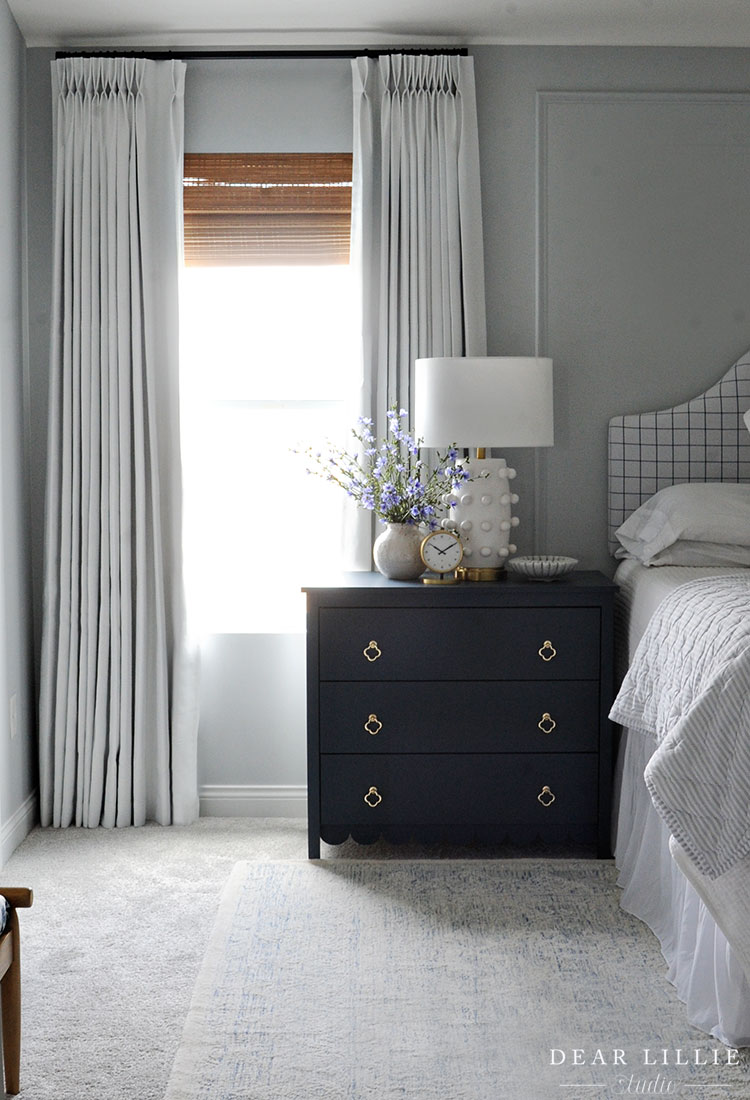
x=679 y=1056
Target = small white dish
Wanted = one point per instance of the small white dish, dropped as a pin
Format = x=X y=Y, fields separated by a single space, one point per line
x=542 y=567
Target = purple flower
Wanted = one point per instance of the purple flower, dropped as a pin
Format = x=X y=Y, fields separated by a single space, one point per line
x=390 y=478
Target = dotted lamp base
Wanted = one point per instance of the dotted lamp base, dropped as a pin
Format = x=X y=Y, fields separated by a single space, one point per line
x=481 y=513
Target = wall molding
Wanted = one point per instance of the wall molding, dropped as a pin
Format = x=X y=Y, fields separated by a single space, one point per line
x=18 y=827
x=215 y=801
x=560 y=115
x=253 y=801
x=544 y=101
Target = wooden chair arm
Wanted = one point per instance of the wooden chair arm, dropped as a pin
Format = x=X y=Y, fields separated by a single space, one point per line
x=19 y=897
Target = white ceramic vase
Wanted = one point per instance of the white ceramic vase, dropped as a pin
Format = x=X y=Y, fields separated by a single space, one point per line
x=396 y=552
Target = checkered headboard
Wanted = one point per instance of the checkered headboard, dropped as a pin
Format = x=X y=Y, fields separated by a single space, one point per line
x=703 y=440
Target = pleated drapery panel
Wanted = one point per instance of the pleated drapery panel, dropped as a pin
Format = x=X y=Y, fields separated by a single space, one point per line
x=417 y=243
x=417 y=215
x=118 y=701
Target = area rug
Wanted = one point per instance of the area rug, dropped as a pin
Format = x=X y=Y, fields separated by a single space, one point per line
x=430 y=980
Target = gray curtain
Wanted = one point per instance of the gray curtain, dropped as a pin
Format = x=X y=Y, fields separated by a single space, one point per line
x=416 y=228
x=118 y=704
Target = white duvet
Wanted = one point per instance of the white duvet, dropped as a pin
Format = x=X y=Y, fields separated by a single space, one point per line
x=688 y=687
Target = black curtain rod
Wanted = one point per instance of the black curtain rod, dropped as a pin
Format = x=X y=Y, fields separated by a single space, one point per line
x=243 y=55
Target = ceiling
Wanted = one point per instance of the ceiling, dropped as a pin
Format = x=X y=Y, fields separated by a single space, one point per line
x=260 y=24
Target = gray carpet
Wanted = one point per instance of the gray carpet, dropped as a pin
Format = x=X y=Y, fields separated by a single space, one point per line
x=121 y=923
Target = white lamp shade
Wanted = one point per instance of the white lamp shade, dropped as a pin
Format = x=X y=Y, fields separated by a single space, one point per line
x=501 y=401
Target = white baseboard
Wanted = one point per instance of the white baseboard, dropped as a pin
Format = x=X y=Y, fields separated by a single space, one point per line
x=18 y=827
x=253 y=801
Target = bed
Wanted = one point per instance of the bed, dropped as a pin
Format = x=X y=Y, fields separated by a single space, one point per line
x=679 y=524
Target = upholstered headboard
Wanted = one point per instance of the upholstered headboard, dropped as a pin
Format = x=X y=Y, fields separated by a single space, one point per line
x=705 y=439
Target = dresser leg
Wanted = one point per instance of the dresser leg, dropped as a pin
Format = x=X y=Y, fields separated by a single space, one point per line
x=313 y=846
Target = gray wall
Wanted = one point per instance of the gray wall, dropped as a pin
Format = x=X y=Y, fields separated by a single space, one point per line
x=268 y=106
x=16 y=674
x=634 y=280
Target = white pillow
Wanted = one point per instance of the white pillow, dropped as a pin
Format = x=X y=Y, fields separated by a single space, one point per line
x=698 y=512
x=687 y=552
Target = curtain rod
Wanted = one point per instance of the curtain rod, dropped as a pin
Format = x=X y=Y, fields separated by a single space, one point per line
x=245 y=55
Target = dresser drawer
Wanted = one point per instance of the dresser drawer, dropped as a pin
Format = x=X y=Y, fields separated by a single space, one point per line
x=473 y=789
x=488 y=716
x=497 y=643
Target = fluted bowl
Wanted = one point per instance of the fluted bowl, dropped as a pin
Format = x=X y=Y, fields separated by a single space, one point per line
x=542 y=567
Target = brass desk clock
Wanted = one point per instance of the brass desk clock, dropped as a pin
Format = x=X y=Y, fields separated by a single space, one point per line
x=441 y=551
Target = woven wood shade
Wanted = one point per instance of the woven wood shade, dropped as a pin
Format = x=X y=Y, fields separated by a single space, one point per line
x=267 y=208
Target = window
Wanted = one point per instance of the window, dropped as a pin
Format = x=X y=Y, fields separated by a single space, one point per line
x=268 y=342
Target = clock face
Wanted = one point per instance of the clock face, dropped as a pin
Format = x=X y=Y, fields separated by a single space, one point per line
x=441 y=551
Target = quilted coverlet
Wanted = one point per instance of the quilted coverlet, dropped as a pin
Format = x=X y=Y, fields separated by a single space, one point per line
x=688 y=687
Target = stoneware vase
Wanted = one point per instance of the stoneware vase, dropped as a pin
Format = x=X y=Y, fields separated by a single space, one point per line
x=396 y=552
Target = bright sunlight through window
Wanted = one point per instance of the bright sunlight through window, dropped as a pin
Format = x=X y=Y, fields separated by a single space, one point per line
x=268 y=364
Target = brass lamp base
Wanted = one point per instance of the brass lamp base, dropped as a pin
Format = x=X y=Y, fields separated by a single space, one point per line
x=470 y=574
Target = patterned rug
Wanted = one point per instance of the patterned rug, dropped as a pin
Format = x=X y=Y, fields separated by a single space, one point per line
x=436 y=980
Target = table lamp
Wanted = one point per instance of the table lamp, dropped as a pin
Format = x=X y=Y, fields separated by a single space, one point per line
x=500 y=401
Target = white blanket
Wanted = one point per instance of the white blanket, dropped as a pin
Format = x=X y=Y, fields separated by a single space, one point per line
x=688 y=687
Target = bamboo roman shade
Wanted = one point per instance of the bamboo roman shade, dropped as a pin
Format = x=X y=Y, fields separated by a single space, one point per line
x=267 y=208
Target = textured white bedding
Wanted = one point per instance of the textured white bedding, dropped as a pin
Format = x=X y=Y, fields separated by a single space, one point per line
x=705 y=969
x=688 y=686
x=701 y=964
x=641 y=590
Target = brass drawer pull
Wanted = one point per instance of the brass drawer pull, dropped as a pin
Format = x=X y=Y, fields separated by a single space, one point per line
x=547 y=723
x=372 y=651
x=373 y=797
x=545 y=796
x=548 y=651
x=373 y=720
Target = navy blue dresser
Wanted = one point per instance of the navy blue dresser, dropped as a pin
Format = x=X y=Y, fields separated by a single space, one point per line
x=465 y=712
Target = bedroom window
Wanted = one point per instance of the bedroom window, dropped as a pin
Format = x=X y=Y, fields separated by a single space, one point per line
x=268 y=350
